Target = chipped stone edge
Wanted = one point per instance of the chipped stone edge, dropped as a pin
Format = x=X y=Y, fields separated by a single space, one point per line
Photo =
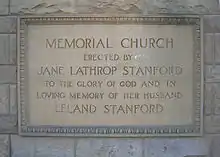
x=26 y=129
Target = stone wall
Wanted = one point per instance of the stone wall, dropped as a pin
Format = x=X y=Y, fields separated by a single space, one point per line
x=13 y=145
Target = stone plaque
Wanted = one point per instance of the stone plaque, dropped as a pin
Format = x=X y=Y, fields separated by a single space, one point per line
x=110 y=76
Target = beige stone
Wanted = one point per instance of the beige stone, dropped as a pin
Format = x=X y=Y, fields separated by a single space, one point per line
x=176 y=147
x=8 y=124
x=109 y=148
x=4 y=146
x=13 y=100
x=8 y=24
x=4 y=4
x=42 y=147
x=62 y=111
x=7 y=49
x=212 y=108
x=212 y=73
x=4 y=49
x=4 y=99
x=179 y=6
x=13 y=49
x=209 y=48
x=212 y=24
x=42 y=6
x=8 y=74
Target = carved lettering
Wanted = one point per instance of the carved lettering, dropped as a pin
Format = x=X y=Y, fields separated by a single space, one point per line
x=101 y=74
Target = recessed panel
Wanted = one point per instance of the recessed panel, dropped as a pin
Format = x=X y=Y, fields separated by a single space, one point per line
x=99 y=76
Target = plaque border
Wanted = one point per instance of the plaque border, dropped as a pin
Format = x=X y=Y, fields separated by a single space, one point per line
x=196 y=129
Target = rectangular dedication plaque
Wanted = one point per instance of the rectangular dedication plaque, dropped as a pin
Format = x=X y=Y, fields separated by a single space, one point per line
x=110 y=76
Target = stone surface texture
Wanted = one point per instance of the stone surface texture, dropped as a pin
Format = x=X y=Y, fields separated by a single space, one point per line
x=12 y=145
x=109 y=148
x=176 y=147
x=8 y=24
x=4 y=99
x=212 y=74
x=4 y=7
x=113 y=6
x=9 y=74
x=4 y=146
x=41 y=147
x=8 y=104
